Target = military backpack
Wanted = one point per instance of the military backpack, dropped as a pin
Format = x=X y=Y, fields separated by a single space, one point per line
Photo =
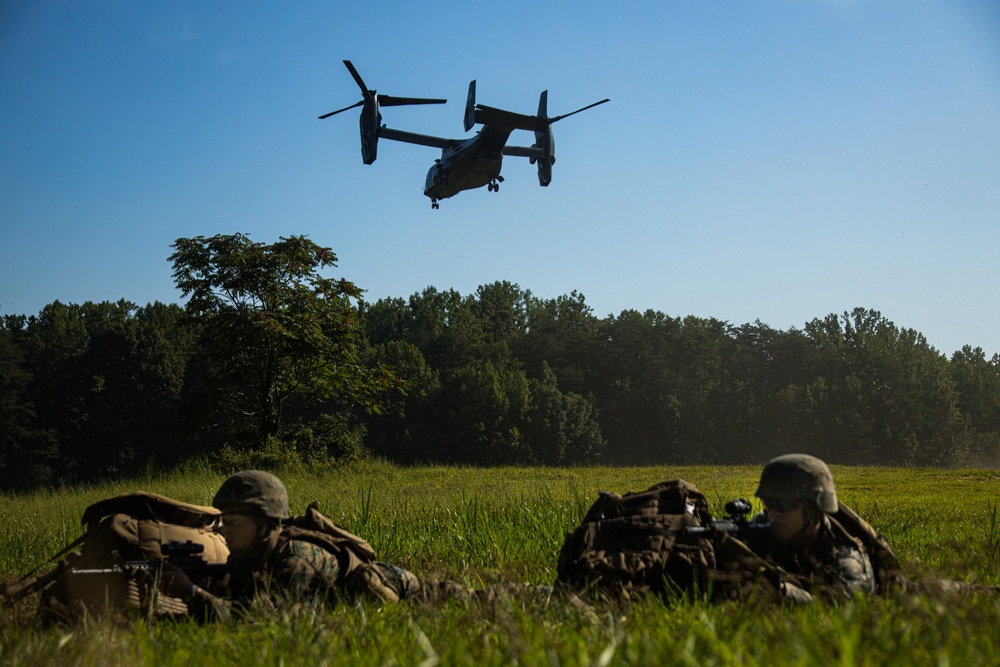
x=111 y=567
x=663 y=541
x=636 y=543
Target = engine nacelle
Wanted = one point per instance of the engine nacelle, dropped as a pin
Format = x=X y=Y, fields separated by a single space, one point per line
x=547 y=143
x=370 y=121
x=545 y=140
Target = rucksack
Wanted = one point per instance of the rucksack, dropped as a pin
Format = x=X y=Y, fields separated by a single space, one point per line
x=114 y=568
x=636 y=543
x=663 y=541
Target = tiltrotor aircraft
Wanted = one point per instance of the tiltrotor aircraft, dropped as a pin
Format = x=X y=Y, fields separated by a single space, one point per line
x=464 y=163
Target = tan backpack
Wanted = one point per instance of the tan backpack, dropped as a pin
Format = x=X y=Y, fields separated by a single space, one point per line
x=115 y=568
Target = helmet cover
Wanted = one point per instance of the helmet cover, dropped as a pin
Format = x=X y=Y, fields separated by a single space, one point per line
x=801 y=477
x=256 y=488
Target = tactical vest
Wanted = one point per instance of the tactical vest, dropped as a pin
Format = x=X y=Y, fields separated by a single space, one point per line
x=360 y=575
x=315 y=527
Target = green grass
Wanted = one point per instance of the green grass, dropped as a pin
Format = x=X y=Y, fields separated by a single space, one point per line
x=481 y=526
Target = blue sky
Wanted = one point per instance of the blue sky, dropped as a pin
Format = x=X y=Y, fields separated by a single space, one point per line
x=772 y=160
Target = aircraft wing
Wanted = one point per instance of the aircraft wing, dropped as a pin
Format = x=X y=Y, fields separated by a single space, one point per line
x=414 y=138
x=508 y=119
x=524 y=151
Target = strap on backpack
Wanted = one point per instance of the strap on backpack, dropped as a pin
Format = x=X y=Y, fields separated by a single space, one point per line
x=65 y=550
x=28 y=584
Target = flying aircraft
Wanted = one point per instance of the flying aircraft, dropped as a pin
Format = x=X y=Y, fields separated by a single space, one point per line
x=464 y=163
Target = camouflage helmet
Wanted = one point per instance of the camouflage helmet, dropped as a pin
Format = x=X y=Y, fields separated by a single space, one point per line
x=801 y=477
x=258 y=489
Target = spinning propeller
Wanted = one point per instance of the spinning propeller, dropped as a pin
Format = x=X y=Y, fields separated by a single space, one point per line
x=370 y=116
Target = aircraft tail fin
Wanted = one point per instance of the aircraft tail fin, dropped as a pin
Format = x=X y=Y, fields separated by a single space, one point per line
x=470 y=106
x=485 y=115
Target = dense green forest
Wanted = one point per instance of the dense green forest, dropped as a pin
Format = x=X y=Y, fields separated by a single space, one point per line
x=270 y=364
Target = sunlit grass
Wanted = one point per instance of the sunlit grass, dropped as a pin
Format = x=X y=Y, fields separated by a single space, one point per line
x=481 y=526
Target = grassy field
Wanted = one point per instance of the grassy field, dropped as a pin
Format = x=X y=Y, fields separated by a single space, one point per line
x=481 y=526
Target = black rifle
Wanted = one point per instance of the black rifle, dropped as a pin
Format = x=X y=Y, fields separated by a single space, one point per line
x=185 y=555
x=736 y=524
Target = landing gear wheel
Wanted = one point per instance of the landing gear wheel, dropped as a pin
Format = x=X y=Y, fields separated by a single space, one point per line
x=434 y=204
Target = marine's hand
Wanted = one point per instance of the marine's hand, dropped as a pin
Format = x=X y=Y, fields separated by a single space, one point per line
x=174 y=581
x=795 y=595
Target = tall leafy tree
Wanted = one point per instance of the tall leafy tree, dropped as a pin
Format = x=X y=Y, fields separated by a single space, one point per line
x=883 y=394
x=404 y=430
x=500 y=312
x=562 y=333
x=105 y=377
x=636 y=385
x=977 y=381
x=484 y=407
x=276 y=331
x=562 y=428
x=134 y=373
x=28 y=453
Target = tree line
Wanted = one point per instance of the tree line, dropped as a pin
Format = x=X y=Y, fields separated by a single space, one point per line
x=269 y=363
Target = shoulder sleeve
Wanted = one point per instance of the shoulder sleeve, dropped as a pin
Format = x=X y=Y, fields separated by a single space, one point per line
x=854 y=569
x=301 y=571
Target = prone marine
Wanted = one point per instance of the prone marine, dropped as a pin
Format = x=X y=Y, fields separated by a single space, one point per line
x=282 y=561
x=804 y=538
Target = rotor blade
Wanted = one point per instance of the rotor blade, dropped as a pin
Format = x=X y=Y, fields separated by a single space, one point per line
x=358 y=79
x=390 y=101
x=567 y=115
x=334 y=113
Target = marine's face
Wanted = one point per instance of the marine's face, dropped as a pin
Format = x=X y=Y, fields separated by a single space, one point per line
x=787 y=517
x=239 y=529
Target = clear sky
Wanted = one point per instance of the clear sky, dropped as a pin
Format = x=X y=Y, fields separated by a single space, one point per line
x=772 y=160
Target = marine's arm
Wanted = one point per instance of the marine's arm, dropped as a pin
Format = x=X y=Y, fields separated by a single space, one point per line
x=207 y=607
x=854 y=570
x=201 y=604
x=302 y=572
x=298 y=574
x=849 y=573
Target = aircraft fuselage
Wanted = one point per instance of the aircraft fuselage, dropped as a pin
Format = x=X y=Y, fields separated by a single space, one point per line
x=465 y=164
x=472 y=164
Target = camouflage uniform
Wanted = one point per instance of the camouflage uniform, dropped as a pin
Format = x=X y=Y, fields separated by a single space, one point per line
x=286 y=573
x=283 y=570
x=835 y=565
